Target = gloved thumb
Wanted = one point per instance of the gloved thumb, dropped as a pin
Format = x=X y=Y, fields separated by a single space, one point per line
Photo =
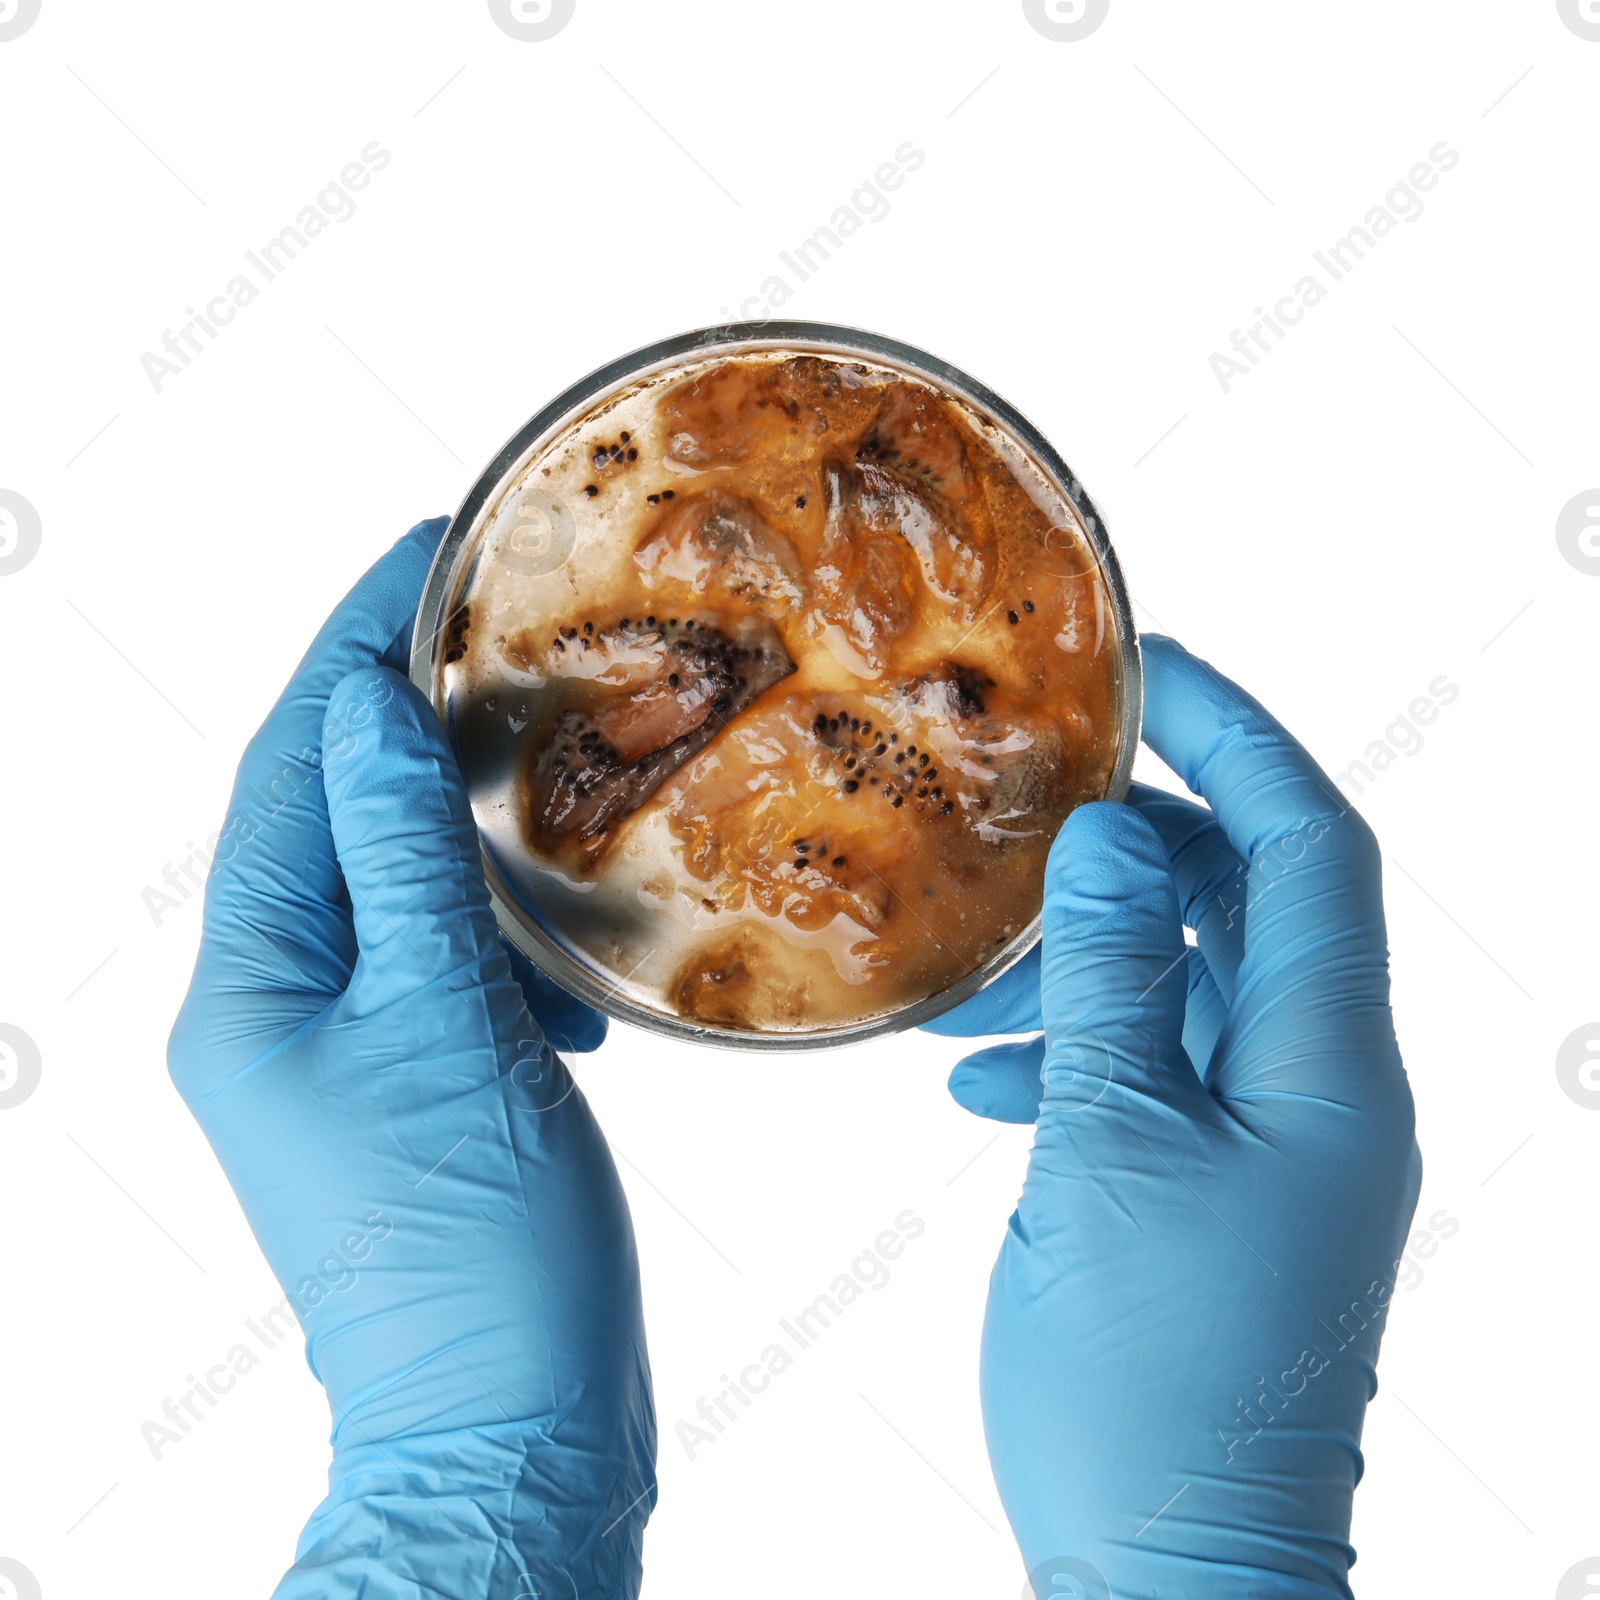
x=1001 y=1082
x=1113 y=981
x=406 y=843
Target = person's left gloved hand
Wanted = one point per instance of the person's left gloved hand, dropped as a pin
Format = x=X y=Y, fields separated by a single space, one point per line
x=1182 y=1329
x=375 y=1072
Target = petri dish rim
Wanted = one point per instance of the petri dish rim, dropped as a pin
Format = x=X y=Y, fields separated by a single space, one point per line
x=459 y=547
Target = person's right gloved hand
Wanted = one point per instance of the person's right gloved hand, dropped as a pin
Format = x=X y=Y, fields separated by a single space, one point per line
x=376 y=1075
x=1183 y=1323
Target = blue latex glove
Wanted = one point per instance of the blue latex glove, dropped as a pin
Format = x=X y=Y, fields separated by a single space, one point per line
x=1183 y=1323
x=375 y=1075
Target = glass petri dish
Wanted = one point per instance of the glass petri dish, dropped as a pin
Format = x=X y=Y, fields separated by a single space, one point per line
x=556 y=510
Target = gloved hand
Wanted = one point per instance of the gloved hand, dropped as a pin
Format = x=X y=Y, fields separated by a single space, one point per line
x=377 y=1078
x=1183 y=1323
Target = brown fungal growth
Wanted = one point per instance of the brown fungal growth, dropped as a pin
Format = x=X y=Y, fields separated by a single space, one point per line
x=798 y=721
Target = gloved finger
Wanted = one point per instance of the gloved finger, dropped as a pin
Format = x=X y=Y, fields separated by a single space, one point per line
x=277 y=941
x=1002 y=1082
x=567 y=1022
x=1113 y=981
x=1314 y=880
x=1008 y=1005
x=1204 y=1016
x=1211 y=878
x=407 y=845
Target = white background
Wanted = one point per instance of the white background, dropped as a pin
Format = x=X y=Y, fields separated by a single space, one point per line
x=1374 y=506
